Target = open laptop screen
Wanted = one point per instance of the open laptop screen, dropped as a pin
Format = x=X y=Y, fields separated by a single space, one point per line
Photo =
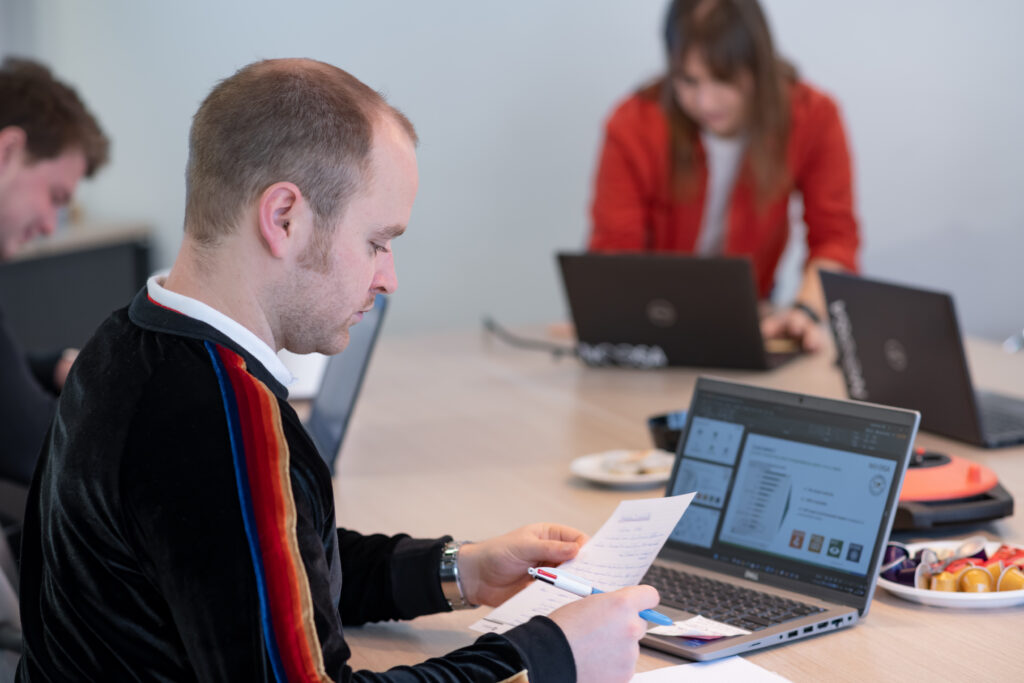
x=652 y=310
x=790 y=488
x=336 y=399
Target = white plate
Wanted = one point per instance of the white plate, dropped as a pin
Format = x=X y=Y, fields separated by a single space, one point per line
x=613 y=468
x=954 y=600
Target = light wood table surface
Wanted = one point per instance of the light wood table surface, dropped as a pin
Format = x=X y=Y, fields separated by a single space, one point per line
x=461 y=434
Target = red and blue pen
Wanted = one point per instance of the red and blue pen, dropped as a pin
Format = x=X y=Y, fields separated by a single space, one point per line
x=577 y=586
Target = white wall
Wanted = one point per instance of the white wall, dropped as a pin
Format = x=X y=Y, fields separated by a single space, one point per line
x=931 y=92
x=509 y=100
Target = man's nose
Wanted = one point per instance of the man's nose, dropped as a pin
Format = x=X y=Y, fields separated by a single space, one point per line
x=47 y=224
x=385 y=280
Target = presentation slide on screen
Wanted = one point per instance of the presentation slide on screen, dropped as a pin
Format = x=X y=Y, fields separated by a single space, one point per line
x=714 y=440
x=711 y=482
x=697 y=526
x=810 y=503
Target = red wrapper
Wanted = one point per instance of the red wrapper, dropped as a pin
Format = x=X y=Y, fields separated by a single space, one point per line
x=956 y=565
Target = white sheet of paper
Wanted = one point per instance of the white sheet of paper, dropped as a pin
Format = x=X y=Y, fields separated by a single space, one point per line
x=618 y=555
x=725 y=670
x=699 y=627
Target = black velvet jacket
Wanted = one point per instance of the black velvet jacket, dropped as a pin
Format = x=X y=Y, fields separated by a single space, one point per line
x=181 y=527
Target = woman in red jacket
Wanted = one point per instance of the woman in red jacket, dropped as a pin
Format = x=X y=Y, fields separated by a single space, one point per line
x=705 y=159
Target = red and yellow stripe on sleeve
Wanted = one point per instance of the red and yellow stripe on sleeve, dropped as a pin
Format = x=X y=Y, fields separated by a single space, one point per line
x=261 y=460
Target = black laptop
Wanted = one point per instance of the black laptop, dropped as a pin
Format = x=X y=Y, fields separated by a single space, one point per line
x=342 y=379
x=795 y=498
x=654 y=310
x=901 y=346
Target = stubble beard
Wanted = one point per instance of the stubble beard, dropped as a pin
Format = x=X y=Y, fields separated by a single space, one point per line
x=307 y=327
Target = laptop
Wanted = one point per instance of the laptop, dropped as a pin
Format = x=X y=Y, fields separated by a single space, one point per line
x=901 y=346
x=795 y=500
x=655 y=310
x=342 y=378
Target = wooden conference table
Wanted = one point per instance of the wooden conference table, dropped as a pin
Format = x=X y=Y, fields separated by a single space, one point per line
x=460 y=434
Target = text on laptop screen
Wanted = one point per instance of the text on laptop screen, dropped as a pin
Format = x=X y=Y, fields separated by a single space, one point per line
x=786 y=490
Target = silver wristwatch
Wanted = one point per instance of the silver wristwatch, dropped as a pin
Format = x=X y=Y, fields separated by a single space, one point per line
x=451 y=586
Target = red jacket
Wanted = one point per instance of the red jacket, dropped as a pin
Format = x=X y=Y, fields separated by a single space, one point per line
x=634 y=210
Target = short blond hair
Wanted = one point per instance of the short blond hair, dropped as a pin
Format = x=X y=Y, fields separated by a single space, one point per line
x=299 y=121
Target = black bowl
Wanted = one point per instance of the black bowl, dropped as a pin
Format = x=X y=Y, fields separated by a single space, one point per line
x=666 y=429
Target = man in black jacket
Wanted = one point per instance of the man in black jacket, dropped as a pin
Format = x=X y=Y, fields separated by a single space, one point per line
x=48 y=142
x=181 y=525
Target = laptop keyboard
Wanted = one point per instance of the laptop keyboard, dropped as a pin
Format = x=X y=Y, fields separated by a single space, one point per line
x=1002 y=417
x=1003 y=423
x=743 y=607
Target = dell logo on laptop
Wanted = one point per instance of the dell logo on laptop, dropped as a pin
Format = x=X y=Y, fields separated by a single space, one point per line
x=661 y=313
x=895 y=355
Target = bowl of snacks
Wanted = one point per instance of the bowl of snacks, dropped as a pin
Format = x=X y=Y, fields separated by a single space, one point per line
x=971 y=573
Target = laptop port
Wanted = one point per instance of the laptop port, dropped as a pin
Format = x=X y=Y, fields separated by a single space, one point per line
x=837 y=622
x=808 y=629
x=822 y=625
x=792 y=634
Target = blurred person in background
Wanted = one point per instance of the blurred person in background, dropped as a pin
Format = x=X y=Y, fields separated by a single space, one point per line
x=49 y=141
x=704 y=161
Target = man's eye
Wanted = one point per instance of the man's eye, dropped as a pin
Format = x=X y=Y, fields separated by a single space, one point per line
x=380 y=248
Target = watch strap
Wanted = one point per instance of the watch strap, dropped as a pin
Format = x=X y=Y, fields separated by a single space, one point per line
x=810 y=312
x=451 y=584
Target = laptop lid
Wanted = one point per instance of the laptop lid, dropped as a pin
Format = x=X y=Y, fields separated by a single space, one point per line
x=795 y=493
x=901 y=346
x=652 y=310
x=332 y=408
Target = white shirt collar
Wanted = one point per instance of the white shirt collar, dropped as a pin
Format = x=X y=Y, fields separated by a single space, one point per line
x=237 y=333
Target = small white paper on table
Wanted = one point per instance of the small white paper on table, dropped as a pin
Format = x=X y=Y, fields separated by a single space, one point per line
x=725 y=670
x=699 y=627
x=618 y=555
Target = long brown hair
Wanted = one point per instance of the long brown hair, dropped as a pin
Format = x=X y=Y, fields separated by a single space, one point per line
x=732 y=37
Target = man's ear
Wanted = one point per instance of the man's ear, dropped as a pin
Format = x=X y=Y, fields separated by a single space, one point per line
x=280 y=215
x=12 y=145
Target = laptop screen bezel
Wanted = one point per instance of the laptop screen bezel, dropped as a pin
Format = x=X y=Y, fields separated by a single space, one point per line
x=677 y=551
x=610 y=295
x=945 y=399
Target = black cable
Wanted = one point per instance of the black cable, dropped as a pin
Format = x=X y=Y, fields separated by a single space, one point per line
x=556 y=350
